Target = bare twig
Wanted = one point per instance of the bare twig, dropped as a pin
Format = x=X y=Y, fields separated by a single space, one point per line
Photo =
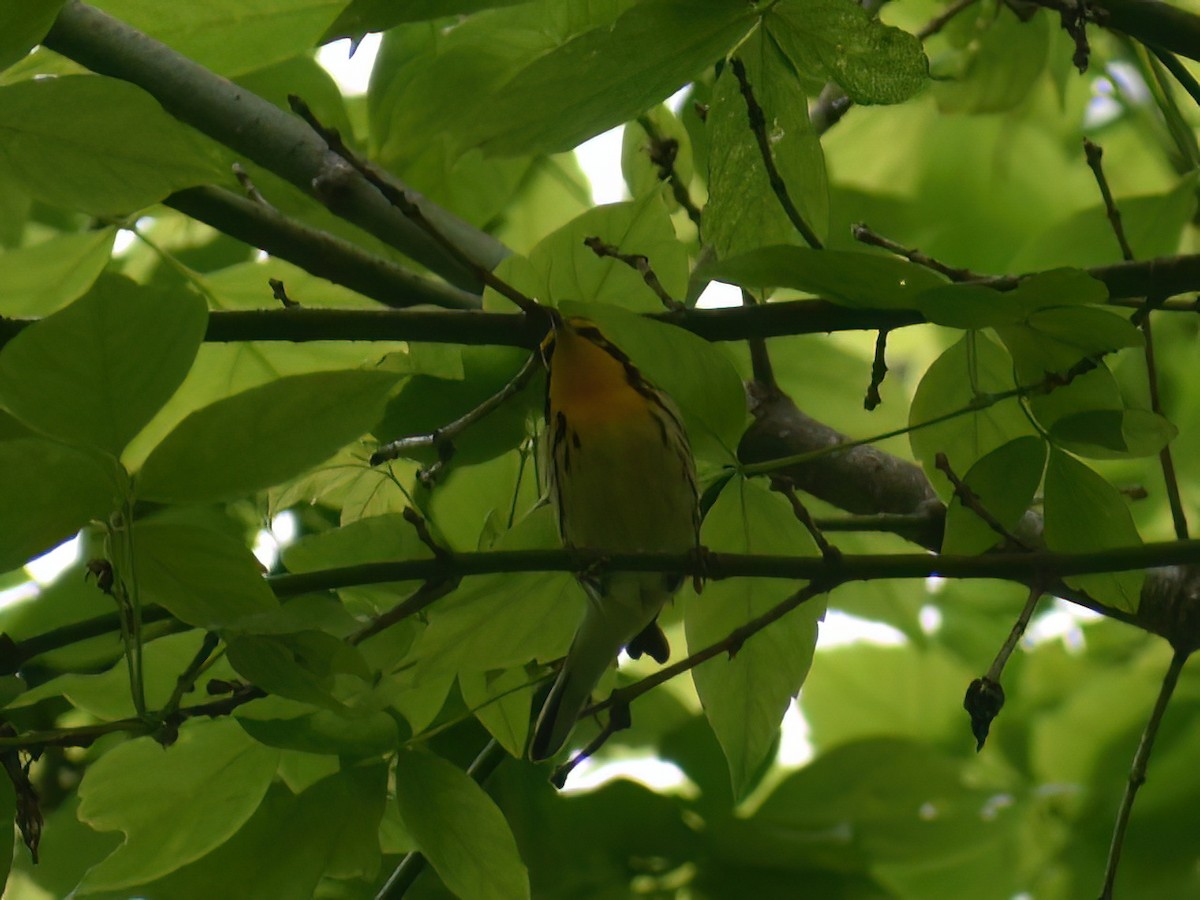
x=663 y=152
x=639 y=263
x=1094 y=153
x=783 y=485
x=865 y=235
x=971 y=501
x=421 y=598
x=760 y=359
x=942 y=19
x=879 y=372
x=442 y=439
x=1137 y=772
x=250 y=188
x=618 y=720
x=279 y=292
x=758 y=125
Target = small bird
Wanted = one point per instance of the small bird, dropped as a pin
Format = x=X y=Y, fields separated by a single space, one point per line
x=622 y=479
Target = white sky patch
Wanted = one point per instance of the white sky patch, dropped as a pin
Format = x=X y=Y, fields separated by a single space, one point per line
x=269 y=542
x=600 y=159
x=934 y=584
x=657 y=774
x=352 y=73
x=795 y=747
x=840 y=629
x=19 y=594
x=1064 y=622
x=123 y=241
x=930 y=619
x=719 y=295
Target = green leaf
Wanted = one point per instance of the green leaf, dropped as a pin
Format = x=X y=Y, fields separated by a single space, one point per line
x=1113 y=433
x=970 y=370
x=41 y=278
x=858 y=280
x=97 y=144
x=23 y=24
x=560 y=268
x=999 y=68
x=745 y=697
x=363 y=16
x=697 y=375
x=1054 y=340
x=299 y=666
x=500 y=701
x=204 y=577
x=231 y=36
x=604 y=76
x=743 y=213
x=1086 y=514
x=1005 y=481
x=174 y=806
x=273 y=432
x=48 y=491
x=839 y=40
x=105 y=364
x=642 y=174
x=349 y=734
x=374 y=539
x=459 y=829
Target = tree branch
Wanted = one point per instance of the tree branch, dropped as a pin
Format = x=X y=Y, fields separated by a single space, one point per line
x=262 y=132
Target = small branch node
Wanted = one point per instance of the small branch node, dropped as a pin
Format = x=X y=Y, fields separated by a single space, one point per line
x=640 y=264
x=879 y=372
x=279 y=292
x=865 y=235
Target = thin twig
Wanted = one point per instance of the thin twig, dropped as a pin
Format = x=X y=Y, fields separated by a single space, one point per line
x=865 y=235
x=618 y=720
x=187 y=678
x=442 y=439
x=421 y=598
x=663 y=152
x=279 y=292
x=1178 y=517
x=760 y=359
x=250 y=188
x=971 y=501
x=879 y=371
x=942 y=19
x=1137 y=772
x=639 y=263
x=758 y=125
x=783 y=485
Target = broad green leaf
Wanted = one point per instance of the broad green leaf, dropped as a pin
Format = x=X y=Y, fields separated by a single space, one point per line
x=839 y=40
x=997 y=70
x=213 y=771
x=1084 y=513
x=500 y=701
x=859 y=280
x=300 y=666
x=743 y=213
x=48 y=491
x=1113 y=433
x=1004 y=481
x=978 y=306
x=697 y=375
x=39 y=279
x=745 y=697
x=105 y=364
x=363 y=16
x=605 y=76
x=23 y=24
x=561 y=268
x=345 y=733
x=375 y=539
x=273 y=432
x=957 y=386
x=204 y=577
x=1054 y=340
x=231 y=36
x=459 y=829
x=98 y=145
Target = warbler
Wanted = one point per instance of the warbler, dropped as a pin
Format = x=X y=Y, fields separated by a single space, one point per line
x=622 y=479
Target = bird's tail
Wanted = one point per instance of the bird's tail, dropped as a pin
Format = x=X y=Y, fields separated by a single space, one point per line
x=608 y=625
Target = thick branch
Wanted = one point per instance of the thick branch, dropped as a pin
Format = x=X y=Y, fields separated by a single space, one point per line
x=261 y=131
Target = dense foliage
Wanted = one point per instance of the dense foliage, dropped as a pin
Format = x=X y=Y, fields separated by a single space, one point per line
x=221 y=298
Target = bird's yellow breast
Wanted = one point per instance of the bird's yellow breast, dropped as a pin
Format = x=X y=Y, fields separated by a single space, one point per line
x=591 y=383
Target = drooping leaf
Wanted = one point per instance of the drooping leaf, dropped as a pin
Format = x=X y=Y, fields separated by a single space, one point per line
x=274 y=432
x=459 y=829
x=1084 y=513
x=202 y=576
x=97 y=144
x=23 y=24
x=500 y=701
x=297 y=666
x=745 y=697
x=104 y=365
x=743 y=212
x=213 y=771
x=44 y=277
x=48 y=491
